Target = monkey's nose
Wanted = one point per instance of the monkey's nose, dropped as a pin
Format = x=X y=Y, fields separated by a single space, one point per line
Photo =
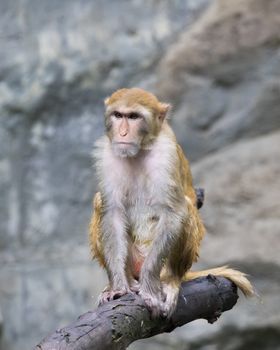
x=123 y=132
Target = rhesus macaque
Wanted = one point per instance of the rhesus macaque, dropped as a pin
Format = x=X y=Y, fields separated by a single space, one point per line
x=146 y=230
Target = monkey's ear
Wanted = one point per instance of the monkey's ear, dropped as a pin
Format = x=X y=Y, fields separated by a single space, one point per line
x=106 y=101
x=164 y=109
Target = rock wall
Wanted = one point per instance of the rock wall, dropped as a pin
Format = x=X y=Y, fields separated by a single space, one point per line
x=223 y=75
x=218 y=63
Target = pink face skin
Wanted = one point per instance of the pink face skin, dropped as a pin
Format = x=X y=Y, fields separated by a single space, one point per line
x=127 y=130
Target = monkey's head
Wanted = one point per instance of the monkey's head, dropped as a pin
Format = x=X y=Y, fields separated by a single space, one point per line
x=133 y=119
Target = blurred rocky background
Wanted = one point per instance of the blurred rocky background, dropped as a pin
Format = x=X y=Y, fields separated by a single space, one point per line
x=218 y=63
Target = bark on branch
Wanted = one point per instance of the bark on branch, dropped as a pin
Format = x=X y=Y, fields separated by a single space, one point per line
x=118 y=323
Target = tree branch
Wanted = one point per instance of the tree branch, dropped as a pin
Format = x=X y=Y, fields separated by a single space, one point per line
x=120 y=322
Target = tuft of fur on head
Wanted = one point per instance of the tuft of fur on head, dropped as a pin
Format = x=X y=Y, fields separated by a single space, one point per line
x=137 y=96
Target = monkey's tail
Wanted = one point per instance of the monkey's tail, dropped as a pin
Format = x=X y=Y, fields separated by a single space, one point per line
x=237 y=277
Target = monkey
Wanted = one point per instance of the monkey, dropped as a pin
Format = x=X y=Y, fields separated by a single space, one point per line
x=145 y=229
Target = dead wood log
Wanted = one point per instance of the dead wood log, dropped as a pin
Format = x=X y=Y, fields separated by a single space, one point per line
x=118 y=323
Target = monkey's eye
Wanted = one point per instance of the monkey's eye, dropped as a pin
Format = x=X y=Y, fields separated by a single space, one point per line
x=117 y=115
x=134 y=116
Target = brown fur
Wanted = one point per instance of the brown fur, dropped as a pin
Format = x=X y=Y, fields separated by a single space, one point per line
x=95 y=231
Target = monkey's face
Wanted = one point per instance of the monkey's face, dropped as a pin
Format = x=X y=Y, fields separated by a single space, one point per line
x=133 y=119
x=127 y=129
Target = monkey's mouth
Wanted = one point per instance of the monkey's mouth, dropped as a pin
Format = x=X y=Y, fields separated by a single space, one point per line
x=125 y=149
x=124 y=143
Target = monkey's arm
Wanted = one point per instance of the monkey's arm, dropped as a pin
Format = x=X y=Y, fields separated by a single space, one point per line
x=108 y=241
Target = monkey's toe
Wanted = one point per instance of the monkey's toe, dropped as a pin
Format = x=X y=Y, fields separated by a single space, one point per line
x=134 y=286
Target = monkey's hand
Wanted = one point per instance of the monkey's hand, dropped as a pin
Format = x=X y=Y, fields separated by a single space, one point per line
x=109 y=294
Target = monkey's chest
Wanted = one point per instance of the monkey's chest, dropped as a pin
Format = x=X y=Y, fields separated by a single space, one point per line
x=143 y=215
x=142 y=195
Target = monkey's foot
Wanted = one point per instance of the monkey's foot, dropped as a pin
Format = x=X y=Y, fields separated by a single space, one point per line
x=110 y=294
x=154 y=303
x=171 y=292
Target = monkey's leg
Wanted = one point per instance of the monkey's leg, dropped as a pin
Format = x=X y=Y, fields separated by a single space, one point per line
x=167 y=231
x=171 y=279
x=173 y=274
x=170 y=287
x=183 y=254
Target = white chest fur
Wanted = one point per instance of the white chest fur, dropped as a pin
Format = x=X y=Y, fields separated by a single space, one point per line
x=137 y=185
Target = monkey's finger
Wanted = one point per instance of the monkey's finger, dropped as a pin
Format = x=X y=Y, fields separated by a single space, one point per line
x=116 y=294
x=103 y=298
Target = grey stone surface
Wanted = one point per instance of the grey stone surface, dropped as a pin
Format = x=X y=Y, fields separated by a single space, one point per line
x=223 y=75
x=39 y=297
x=219 y=66
x=1 y=324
